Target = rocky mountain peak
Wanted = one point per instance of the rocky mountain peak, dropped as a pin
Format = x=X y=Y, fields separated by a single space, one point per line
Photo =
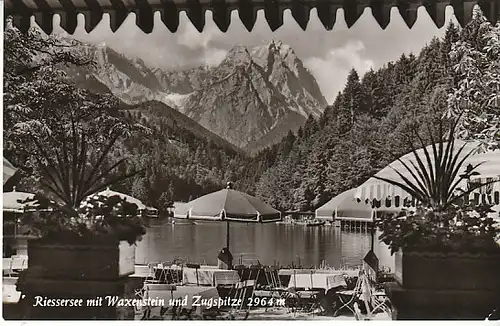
x=271 y=52
x=252 y=99
x=237 y=56
x=278 y=47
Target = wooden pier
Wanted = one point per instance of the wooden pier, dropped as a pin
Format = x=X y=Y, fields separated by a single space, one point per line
x=345 y=223
x=354 y=224
x=298 y=214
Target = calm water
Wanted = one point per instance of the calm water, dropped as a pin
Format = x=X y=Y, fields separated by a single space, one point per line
x=267 y=243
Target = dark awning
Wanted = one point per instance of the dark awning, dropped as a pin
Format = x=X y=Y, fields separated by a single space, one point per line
x=247 y=10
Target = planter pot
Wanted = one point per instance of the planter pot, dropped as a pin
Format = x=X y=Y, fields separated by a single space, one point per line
x=411 y=304
x=448 y=271
x=436 y=285
x=92 y=261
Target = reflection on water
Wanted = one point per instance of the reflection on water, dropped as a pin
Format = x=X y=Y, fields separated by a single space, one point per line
x=266 y=243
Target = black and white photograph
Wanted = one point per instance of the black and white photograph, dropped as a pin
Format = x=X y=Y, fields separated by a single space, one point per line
x=251 y=160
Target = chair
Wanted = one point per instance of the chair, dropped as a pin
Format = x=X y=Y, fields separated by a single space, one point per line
x=16 y=264
x=141 y=295
x=145 y=293
x=151 y=277
x=173 y=274
x=357 y=312
x=159 y=272
x=291 y=298
x=7 y=266
x=226 y=278
x=353 y=295
x=240 y=294
x=375 y=300
x=365 y=291
x=276 y=290
x=196 y=268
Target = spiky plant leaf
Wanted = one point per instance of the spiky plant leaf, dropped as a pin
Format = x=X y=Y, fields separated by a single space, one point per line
x=436 y=181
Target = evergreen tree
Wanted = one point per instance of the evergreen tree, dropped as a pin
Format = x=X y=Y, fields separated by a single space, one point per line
x=352 y=101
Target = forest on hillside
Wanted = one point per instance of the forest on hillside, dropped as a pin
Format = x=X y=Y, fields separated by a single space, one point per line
x=177 y=158
x=374 y=115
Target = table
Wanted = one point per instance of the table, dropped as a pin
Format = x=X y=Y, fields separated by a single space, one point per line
x=168 y=274
x=142 y=271
x=294 y=271
x=317 y=281
x=209 y=276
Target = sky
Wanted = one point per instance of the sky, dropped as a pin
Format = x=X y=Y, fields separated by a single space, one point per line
x=329 y=55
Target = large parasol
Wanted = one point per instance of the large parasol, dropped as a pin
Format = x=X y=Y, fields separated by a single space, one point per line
x=381 y=191
x=8 y=170
x=489 y=170
x=110 y=193
x=15 y=201
x=228 y=205
x=346 y=205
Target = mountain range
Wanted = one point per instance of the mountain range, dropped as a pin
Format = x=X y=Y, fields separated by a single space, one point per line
x=251 y=99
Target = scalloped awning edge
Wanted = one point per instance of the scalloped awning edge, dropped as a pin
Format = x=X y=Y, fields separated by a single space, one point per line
x=118 y=10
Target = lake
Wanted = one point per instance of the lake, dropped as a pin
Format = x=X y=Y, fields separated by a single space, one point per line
x=252 y=243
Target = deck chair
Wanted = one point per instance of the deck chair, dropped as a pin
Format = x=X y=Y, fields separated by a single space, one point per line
x=243 y=310
x=239 y=292
x=276 y=289
x=272 y=280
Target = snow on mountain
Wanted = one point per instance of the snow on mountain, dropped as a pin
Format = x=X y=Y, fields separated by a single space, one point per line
x=248 y=95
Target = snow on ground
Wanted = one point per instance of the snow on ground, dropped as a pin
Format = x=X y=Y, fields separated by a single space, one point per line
x=174 y=100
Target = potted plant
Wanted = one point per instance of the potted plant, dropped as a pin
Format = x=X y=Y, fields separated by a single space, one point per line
x=66 y=141
x=449 y=243
x=81 y=235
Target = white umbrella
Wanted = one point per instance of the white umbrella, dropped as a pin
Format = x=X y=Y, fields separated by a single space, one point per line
x=228 y=205
x=496 y=217
x=380 y=190
x=488 y=171
x=12 y=201
x=110 y=193
x=8 y=170
x=346 y=205
x=496 y=214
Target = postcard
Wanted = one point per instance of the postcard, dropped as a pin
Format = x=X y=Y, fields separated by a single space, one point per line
x=250 y=160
